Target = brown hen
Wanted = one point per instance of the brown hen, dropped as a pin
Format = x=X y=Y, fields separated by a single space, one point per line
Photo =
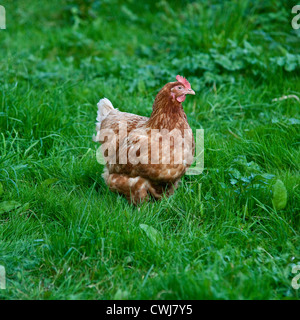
x=146 y=157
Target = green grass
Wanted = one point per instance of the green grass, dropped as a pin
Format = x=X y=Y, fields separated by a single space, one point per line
x=219 y=236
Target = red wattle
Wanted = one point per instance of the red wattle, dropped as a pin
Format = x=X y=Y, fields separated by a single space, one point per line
x=181 y=98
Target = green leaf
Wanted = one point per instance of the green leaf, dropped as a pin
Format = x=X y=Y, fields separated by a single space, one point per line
x=267 y=176
x=291 y=62
x=279 y=195
x=7 y=206
x=1 y=189
x=152 y=234
x=233 y=181
x=121 y=295
x=23 y=208
x=228 y=63
x=235 y=173
x=48 y=182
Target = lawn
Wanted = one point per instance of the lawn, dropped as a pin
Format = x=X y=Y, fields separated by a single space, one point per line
x=231 y=232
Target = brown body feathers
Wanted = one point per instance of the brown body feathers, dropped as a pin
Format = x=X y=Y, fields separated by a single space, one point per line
x=138 y=165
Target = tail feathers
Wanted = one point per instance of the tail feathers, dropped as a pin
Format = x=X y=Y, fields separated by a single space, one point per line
x=104 y=108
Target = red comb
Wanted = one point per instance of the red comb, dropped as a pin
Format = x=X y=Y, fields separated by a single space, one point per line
x=183 y=81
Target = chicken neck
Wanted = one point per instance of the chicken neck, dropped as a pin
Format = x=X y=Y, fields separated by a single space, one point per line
x=167 y=114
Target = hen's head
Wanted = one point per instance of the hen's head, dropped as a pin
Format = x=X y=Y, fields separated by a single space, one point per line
x=179 y=89
x=172 y=94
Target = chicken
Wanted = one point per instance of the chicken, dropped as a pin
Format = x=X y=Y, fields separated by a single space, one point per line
x=146 y=157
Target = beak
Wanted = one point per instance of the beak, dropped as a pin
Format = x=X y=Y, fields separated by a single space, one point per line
x=189 y=91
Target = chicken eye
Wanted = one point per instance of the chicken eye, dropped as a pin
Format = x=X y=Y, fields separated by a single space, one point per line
x=179 y=88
